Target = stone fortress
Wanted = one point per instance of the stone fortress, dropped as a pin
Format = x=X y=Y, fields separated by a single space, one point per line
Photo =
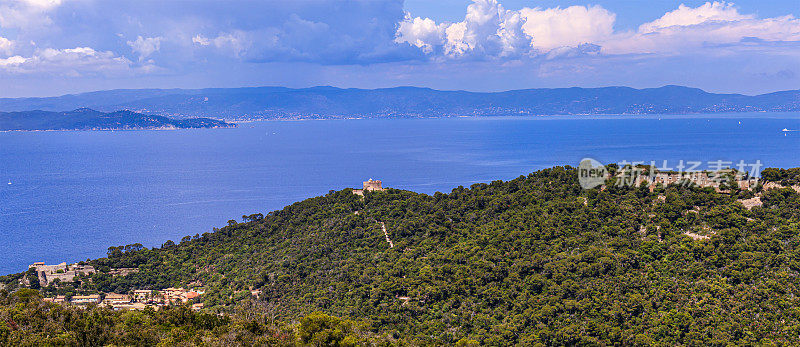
x=369 y=185
x=712 y=179
x=62 y=272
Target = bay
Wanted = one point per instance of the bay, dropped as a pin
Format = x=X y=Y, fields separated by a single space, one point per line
x=74 y=194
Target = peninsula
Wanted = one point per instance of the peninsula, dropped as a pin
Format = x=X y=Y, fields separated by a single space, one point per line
x=88 y=119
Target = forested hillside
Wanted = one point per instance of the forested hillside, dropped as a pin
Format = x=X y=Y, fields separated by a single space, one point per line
x=536 y=260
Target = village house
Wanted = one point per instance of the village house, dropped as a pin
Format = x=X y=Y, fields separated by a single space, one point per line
x=135 y=306
x=748 y=184
x=173 y=294
x=85 y=299
x=116 y=299
x=177 y=295
x=166 y=296
x=191 y=295
x=59 y=299
x=143 y=295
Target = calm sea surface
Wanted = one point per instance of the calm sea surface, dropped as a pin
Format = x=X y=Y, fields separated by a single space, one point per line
x=74 y=194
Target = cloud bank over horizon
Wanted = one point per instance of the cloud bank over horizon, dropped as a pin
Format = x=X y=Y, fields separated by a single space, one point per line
x=93 y=44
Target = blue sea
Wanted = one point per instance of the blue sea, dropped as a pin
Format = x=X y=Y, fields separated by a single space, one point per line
x=74 y=194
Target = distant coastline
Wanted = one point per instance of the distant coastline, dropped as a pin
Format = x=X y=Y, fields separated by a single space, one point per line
x=232 y=125
x=258 y=103
x=743 y=115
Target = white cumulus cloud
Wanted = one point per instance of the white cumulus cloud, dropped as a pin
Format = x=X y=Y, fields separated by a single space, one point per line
x=6 y=46
x=12 y=61
x=568 y=27
x=69 y=62
x=686 y=16
x=688 y=29
x=422 y=33
x=234 y=43
x=145 y=46
x=42 y=3
x=201 y=40
x=26 y=13
x=490 y=30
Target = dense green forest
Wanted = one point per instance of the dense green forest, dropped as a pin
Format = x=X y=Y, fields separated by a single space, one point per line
x=25 y=320
x=535 y=260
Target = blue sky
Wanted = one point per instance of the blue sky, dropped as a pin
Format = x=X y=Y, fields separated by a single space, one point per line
x=52 y=47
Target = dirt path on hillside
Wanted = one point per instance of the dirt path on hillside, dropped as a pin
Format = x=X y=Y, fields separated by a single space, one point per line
x=385 y=233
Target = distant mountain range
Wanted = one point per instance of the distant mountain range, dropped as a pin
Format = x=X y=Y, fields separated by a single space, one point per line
x=88 y=119
x=330 y=102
